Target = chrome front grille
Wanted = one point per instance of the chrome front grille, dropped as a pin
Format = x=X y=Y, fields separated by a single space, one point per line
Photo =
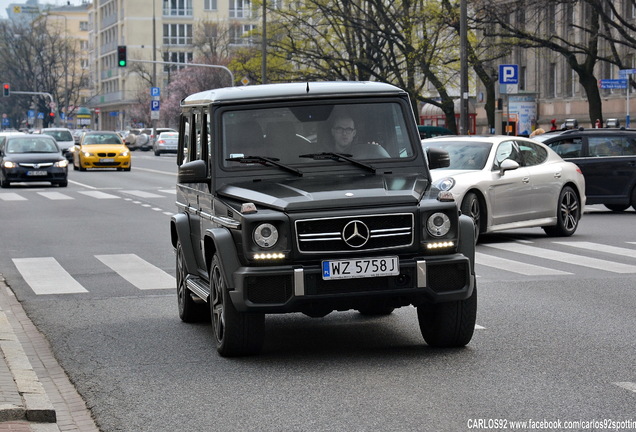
x=355 y=233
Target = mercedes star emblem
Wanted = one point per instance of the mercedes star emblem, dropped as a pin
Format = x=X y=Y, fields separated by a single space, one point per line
x=355 y=234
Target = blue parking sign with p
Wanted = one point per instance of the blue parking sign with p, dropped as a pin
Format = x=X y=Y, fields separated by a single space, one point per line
x=154 y=105
x=509 y=74
x=155 y=91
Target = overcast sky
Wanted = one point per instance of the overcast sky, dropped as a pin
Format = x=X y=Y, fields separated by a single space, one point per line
x=4 y=4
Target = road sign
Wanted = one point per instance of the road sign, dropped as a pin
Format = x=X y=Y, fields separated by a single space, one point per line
x=508 y=74
x=625 y=72
x=620 y=83
x=154 y=105
x=155 y=91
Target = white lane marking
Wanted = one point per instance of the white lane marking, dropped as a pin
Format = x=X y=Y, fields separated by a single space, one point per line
x=138 y=272
x=614 y=250
x=627 y=386
x=10 y=196
x=564 y=257
x=168 y=191
x=156 y=171
x=142 y=194
x=99 y=195
x=55 y=196
x=46 y=276
x=515 y=266
x=81 y=184
x=478 y=327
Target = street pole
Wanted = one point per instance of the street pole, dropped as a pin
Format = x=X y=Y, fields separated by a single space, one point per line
x=264 y=45
x=154 y=57
x=463 y=36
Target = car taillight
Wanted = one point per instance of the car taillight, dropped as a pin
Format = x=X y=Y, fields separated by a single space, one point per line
x=161 y=142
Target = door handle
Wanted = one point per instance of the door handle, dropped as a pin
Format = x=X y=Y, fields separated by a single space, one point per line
x=557 y=175
x=525 y=180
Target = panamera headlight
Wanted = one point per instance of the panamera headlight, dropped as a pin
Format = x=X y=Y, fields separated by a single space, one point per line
x=438 y=224
x=266 y=235
x=445 y=183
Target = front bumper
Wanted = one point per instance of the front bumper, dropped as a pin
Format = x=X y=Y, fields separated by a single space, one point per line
x=299 y=288
x=24 y=174
x=105 y=162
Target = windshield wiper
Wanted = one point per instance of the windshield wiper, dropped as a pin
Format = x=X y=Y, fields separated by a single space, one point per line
x=264 y=161
x=339 y=156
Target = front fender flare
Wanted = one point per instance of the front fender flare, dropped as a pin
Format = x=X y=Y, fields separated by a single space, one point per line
x=220 y=241
x=180 y=232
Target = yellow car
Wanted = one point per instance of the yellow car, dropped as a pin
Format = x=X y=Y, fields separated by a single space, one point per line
x=101 y=149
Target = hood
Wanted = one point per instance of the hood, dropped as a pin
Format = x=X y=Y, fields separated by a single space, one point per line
x=437 y=174
x=34 y=157
x=327 y=192
x=99 y=148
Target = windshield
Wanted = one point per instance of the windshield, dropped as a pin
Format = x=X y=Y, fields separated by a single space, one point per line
x=31 y=145
x=109 y=138
x=464 y=155
x=369 y=131
x=59 y=135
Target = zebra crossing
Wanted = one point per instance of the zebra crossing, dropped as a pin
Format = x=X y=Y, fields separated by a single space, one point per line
x=97 y=194
x=46 y=276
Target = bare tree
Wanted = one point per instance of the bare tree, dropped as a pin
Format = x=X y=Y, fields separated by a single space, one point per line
x=579 y=46
x=42 y=60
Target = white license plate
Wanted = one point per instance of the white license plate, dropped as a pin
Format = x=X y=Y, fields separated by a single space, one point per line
x=36 y=173
x=360 y=268
x=107 y=160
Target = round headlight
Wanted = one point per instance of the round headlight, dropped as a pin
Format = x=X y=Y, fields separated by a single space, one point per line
x=265 y=235
x=438 y=224
x=445 y=183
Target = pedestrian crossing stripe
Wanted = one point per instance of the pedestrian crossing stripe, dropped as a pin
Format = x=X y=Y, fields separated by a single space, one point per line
x=515 y=266
x=99 y=195
x=142 y=194
x=46 y=276
x=11 y=196
x=564 y=257
x=55 y=196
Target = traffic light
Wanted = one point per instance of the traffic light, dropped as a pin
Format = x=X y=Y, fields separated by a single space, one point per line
x=6 y=89
x=121 y=56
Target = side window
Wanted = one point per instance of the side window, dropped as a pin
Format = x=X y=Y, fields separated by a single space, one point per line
x=532 y=154
x=604 y=146
x=198 y=139
x=568 y=147
x=184 y=140
x=507 y=150
x=629 y=148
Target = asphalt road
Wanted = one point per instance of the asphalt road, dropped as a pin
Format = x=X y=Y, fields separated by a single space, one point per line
x=556 y=335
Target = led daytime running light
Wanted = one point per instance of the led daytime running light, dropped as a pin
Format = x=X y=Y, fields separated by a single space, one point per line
x=269 y=256
x=440 y=245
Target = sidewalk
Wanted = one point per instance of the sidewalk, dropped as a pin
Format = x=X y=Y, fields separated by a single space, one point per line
x=35 y=392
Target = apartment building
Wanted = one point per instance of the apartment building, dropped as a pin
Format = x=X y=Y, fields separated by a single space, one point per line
x=548 y=88
x=152 y=30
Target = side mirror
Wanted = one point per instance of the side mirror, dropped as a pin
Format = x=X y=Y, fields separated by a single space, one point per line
x=193 y=172
x=508 y=165
x=437 y=158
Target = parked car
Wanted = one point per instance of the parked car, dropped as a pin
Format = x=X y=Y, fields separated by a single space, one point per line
x=506 y=182
x=101 y=149
x=31 y=158
x=607 y=158
x=152 y=134
x=64 y=139
x=166 y=142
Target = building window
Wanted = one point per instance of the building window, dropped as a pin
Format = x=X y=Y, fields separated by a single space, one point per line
x=83 y=25
x=552 y=79
x=177 y=7
x=210 y=5
x=523 y=70
x=177 y=34
x=176 y=57
x=569 y=87
x=241 y=34
x=240 y=9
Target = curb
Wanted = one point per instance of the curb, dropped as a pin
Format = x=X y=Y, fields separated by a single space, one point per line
x=33 y=404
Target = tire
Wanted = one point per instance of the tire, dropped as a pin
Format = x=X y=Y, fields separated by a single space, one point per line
x=634 y=198
x=79 y=162
x=568 y=214
x=189 y=310
x=376 y=310
x=449 y=324
x=471 y=206
x=4 y=183
x=235 y=333
x=157 y=153
x=617 y=207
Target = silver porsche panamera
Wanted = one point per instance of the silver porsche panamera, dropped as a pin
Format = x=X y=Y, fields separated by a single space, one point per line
x=508 y=182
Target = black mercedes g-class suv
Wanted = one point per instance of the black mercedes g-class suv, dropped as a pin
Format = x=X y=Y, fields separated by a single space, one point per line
x=314 y=197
